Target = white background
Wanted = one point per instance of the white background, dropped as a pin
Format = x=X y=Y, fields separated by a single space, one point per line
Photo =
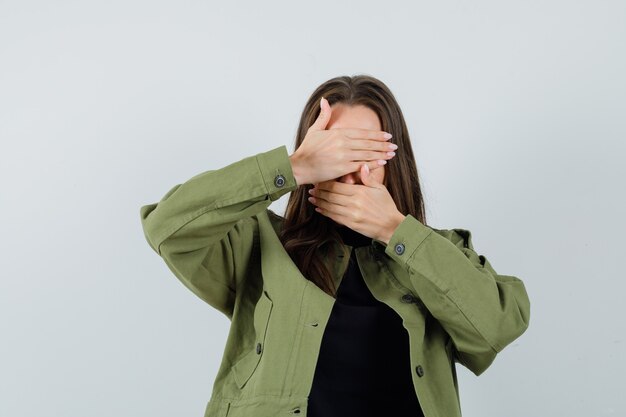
x=517 y=116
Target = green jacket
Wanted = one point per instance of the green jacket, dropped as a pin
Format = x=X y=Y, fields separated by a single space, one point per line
x=218 y=237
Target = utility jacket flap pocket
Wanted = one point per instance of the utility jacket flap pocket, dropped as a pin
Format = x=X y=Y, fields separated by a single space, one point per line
x=245 y=367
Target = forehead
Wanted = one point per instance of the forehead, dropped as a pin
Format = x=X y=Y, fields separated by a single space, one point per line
x=358 y=116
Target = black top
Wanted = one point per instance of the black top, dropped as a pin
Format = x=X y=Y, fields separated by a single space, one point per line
x=363 y=368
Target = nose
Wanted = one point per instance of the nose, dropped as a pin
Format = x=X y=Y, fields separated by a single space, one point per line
x=351 y=178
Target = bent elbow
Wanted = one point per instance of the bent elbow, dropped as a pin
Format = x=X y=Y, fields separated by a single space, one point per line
x=515 y=317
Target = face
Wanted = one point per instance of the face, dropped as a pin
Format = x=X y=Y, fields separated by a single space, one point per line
x=360 y=117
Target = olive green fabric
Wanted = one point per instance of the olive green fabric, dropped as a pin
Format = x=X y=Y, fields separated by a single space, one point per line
x=218 y=237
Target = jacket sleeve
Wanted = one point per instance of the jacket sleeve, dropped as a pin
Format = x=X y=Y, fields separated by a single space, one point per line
x=481 y=310
x=205 y=228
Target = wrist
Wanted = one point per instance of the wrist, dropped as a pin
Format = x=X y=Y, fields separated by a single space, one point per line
x=394 y=222
x=297 y=169
x=300 y=172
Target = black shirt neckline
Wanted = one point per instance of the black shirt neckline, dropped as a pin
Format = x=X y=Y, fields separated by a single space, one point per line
x=352 y=237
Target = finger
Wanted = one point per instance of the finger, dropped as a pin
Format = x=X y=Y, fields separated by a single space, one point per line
x=356 y=133
x=330 y=208
x=338 y=187
x=372 y=155
x=330 y=197
x=323 y=117
x=338 y=219
x=355 y=166
x=317 y=185
x=371 y=145
x=368 y=180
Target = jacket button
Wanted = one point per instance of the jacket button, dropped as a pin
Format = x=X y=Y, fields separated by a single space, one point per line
x=408 y=298
x=399 y=248
x=279 y=180
x=419 y=370
x=258 y=348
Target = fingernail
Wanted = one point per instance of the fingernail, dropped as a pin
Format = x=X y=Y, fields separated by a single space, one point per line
x=387 y=135
x=381 y=162
x=391 y=153
x=393 y=146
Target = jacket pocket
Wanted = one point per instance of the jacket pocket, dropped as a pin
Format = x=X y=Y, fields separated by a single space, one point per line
x=244 y=368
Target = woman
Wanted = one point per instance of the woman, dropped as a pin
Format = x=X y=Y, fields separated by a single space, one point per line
x=350 y=304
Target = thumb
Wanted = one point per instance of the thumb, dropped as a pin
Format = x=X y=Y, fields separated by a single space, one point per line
x=367 y=178
x=324 y=116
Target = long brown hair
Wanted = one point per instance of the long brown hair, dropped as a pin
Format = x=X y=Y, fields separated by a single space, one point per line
x=305 y=231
